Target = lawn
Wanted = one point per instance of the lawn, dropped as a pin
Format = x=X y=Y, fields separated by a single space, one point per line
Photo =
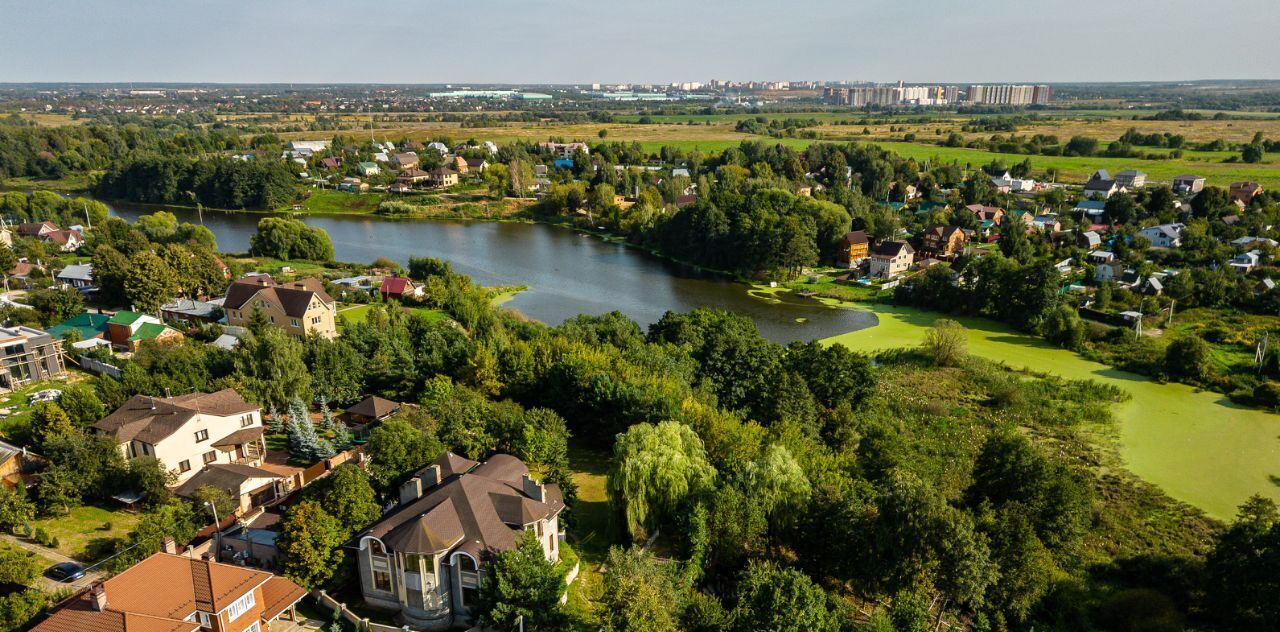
x=16 y=426
x=330 y=202
x=1196 y=445
x=591 y=531
x=86 y=529
x=358 y=313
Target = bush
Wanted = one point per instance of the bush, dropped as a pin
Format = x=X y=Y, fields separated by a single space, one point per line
x=946 y=343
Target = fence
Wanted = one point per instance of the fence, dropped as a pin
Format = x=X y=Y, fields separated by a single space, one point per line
x=100 y=368
x=361 y=623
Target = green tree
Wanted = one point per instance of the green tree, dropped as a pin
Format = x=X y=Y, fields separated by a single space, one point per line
x=81 y=403
x=1065 y=328
x=15 y=508
x=271 y=367
x=17 y=566
x=781 y=600
x=1189 y=357
x=55 y=305
x=396 y=448
x=159 y=226
x=638 y=593
x=521 y=584
x=149 y=282
x=347 y=496
x=220 y=499
x=946 y=343
x=657 y=468
x=1240 y=576
x=19 y=609
x=308 y=541
x=49 y=422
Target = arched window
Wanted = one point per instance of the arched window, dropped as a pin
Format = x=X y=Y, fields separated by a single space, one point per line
x=379 y=566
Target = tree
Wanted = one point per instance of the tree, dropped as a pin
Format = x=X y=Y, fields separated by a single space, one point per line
x=521 y=584
x=1240 y=578
x=347 y=496
x=174 y=519
x=55 y=305
x=781 y=600
x=1189 y=357
x=17 y=566
x=1252 y=153
x=8 y=259
x=15 y=508
x=287 y=238
x=149 y=282
x=270 y=365
x=657 y=468
x=1065 y=328
x=638 y=593
x=397 y=448
x=308 y=541
x=946 y=343
x=221 y=501
x=81 y=403
x=48 y=422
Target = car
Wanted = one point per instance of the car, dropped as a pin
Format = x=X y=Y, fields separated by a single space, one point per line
x=65 y=572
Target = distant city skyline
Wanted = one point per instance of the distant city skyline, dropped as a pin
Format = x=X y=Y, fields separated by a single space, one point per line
x=658 y=42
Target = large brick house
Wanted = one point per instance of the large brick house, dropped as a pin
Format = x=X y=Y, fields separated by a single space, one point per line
x=173 y=593
x=299 y=308
x=425 y=559
x=944 y=241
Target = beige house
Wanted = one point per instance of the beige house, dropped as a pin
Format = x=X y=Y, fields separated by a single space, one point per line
x=188 y=432
x=891 y=258
x=299 y=308
x=248 y=486
x=425 y=559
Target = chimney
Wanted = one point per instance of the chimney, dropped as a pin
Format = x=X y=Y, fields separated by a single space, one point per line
x=98 y=596
x=169 y=546
x=533 y=489
x=410 y=491
x=430 y=476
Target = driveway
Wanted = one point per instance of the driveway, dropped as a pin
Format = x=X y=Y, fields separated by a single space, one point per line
x=51 y=557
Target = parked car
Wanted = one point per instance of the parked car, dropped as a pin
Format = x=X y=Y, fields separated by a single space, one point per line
x=65 y=572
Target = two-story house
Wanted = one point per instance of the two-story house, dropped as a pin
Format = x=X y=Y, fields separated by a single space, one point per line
x=1164 y=235
x=188 y=432
x=891 y=258
x=1101 y=186
x=1131 y=179
x=944 y=241
x=28 y=355
x=425 y=559
x=299 y=308
x=168 y=592
x=853 y=248
x=1244 y=192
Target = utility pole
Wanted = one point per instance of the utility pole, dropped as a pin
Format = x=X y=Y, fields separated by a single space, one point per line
x=1260 y=356
x=1137 y=327
x=1172 y=303
x=217 y=531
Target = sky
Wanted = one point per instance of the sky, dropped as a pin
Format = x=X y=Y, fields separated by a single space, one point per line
x=648 y=41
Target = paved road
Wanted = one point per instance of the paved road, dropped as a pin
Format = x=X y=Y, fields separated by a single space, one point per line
x=53 y=557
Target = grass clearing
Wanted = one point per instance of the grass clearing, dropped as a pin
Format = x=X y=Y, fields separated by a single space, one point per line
x=1195 y=445
x=330 y=202
x=85 y=529
x=592 y=530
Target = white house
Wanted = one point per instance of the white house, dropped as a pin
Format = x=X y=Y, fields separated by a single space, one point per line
x=1245 y=262
x=1164 y=235
x=891 y=258
x=188 y=432
x=1131 y=179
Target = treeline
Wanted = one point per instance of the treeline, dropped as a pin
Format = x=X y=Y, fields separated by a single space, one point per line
x=40 y=206
x=218 y=183
x=287 y=238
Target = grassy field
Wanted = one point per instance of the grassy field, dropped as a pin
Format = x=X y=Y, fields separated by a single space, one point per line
x=1197 y=446
x=330 y=202
x=85 y=529
x=592 y=530
x=358 y=313
x=16 y=426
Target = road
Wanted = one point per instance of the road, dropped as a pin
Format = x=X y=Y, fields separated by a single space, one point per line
x=52 y=557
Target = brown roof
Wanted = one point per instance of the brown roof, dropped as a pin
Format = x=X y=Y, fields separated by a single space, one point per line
x=34 y=229
x=278 y=595
x=21 y=269
x=855 y=237
x=155 y=595
x=225 y=476
x=413 y=172
x=292 y=297
x=63 y=236
x=486 y=505
x=891 y=248
x=151 y=419
x=239 y=437
x=374 y=407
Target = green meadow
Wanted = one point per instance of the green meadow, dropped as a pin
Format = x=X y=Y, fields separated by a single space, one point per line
x=1197 y=446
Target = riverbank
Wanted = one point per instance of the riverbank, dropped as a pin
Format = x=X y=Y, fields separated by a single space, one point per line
x=1195 y=445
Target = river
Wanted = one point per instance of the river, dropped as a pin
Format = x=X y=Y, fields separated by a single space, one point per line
x=567 y=273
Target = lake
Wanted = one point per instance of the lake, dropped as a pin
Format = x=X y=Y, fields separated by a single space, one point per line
x=567 y=273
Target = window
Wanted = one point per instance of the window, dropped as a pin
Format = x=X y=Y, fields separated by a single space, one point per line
x=202 y=435
x=184 y=467
x=380 y=567
x=210 y=456
x=246 y=421
x=241 y=606
x=315 y=320
x=205 y=619
x=254 y=628
x=294 y=322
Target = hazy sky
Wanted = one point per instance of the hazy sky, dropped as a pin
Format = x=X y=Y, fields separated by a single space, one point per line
x=583 y=41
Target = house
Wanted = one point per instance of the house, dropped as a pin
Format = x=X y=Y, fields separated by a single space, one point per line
x=18 y=465
x=1188 y=185
x=1005 y=183
x=168 y=592
x=476 y=165
x=77 y=275
x=944 y=241
x=192 y=312
x=1151 y=286
x=1101 y=256
x=398 y=287
x=188 y=432
x=853 y=248
x=1164 y=235
x=442 y=177
x=65 y=240
x=891 y=258
x=310 y=146
x=21 y=271
x=1089 y=240
x=1253 y=242
x=1243 y=192
x=565 y=151
x=368 y=169
x=87 y=326
x=28 y=355
x=426 y=559
x=490 y=147
x=1131 y=179
x=1046 y=223
x=249 y=487
x=373 y=408
x=406 y=160
x=412 y=175
x=993 y=214
x=460 y=164
x=1104 y=272
x=330 y=163
x=440 y=148
x=1245 y=262
x=1263 y=286
x=1101 y=186
x=37 y=229
x=353 y=185
x=363 y=282
x=300 y=308
x=128 y=330
x=1092 y=208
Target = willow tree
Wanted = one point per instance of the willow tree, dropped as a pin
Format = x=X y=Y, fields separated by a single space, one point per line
x=656 y=468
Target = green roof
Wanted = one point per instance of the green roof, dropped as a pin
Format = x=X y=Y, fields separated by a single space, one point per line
x=368 y=165
x=149 y=331
x=89 y=326
x=125 y=318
